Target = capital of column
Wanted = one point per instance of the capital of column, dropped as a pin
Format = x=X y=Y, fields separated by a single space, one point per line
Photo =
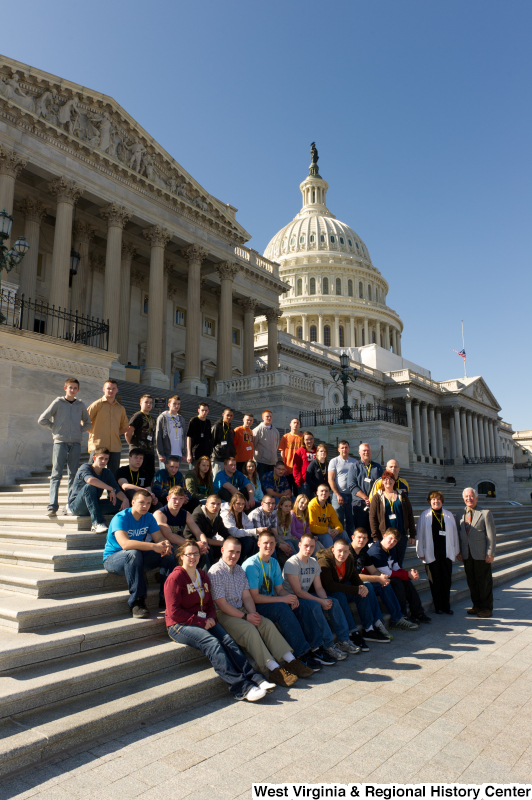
x=129 y=251
x=33 y=210
x=11 y=162
x=138 y=278
x=273 y=314
x=172 y=292
x=194 y=253
x=83 y=232
x=248 y=304
x=115 y=215
x=227 y=269
x=457 y=408
x=157 y=235
x=98 y=263
x=168 y=267
x=65 y=191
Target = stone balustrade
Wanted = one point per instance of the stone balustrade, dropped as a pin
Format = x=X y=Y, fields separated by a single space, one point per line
x=256 y=260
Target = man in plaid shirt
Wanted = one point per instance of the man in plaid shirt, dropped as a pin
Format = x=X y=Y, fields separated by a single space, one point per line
x=236 y=613
x=265 y=516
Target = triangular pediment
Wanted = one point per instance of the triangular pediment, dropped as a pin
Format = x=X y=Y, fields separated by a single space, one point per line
x=98 y=126
x=476 y=388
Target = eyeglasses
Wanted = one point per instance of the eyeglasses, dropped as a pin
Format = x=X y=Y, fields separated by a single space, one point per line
x=191 y=555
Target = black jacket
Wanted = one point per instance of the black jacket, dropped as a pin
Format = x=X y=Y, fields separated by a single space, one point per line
x=206 y=526
x=314 y=476
x=219 y=433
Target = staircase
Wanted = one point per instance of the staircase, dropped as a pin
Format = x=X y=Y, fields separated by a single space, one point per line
x=74 y=666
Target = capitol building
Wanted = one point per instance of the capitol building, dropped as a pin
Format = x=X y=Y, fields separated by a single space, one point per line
x=136 y=271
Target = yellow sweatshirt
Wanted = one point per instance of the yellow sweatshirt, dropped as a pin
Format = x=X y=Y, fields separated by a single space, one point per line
x=321 y=519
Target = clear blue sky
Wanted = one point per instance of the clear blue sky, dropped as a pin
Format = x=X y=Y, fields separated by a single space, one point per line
x=422 y=116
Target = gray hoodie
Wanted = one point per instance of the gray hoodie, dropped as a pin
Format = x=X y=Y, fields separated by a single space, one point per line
x=64 y=420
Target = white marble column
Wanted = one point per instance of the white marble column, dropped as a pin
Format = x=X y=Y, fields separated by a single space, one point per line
x=418 y=444
x=272 y=315
x=83 y=236
x=192 y=382
x=439 y=433
x=224 y=368
x=452 y=437
x=487 y=443
x=320 y=328
x=116 y=217
x=11 y=163
x=408 y=405
x=433 y=439
x=463 y=431
x=249 y=305
x=458 y=432
x=492 y=439
x=480 y=422
x=67 y=193
x=424 y=429
x=378 y=332
x=153 y=374
x=34 y=212
x=394 y=340
x=476 y=444
x=366 y=331
x=288 y=319
x=387 y=337
x=336 y=342
x=398 y=343
x=359 y=334
x=352 y=332
x=128 y=254
x=470 y=442
x=496 y=439
x=168 y=269
x=304 y=325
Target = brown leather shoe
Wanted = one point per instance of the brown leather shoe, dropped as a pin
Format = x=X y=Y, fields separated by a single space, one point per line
x=473 y=611
x=484 y=613
x=282 y=677
x=296 y=667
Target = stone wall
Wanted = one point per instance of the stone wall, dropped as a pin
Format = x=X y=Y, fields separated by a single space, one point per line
x=32 y=373
x=386 y=440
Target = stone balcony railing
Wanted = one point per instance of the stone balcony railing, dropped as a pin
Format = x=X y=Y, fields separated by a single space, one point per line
x=256 y=260
x=400 y=375
x=267 y=380
x=332 y=300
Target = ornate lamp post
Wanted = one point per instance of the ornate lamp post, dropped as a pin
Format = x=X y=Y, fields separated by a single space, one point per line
x=344 y=375
x=10 y=258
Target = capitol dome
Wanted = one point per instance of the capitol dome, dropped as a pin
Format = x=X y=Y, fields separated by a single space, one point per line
x=337 y=298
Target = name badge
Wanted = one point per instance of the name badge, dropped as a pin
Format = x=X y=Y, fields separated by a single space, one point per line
x=443 y=533
x=202 y=614
x=149 y=438
x=222 y=443
x=202 y=435
x=392 y=516
x=249 y=448
x=367 y=480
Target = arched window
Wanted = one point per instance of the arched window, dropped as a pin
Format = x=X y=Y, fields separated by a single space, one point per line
x=322 y=238
x=327 y=335
x=325 y=285
x=338 y=286
x=369 y=292
x=341 y=240
x=293 y=240
x=342 y=337
x=313 y=333
x=350 y=288
x=299 y=290
x=360 y=290
x=350 y=243
x=299 y=331
x=301 y=239
x=332 y=239
x=312 y=238
x=313 y=200
x=312 y=286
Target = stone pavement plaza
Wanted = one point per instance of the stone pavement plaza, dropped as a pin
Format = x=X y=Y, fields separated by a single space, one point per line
x=449 y=703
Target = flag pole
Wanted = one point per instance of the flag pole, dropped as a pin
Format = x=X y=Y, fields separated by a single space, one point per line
x=463 y=348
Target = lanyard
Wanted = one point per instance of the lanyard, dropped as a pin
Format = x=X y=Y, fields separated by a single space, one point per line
x=223 y=429
x=266 y=579
x=320 y=469
x=284 y=528
x=368 y=468
x=276 y=481
x=175 y=421
x=132 y=481
x=391 y=502
x=199 y=590
x=439 y=521
x=149 y=421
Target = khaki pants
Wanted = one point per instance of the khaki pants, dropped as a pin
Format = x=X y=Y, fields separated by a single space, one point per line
x=263 y=643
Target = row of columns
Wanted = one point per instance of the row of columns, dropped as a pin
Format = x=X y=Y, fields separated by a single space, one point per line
x=118 y=280
x=391 y=335
x=471 y=435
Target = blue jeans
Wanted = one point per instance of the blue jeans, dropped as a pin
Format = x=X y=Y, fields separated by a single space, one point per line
x=114 y=461
x=63 y=453
x=224 y=654
x=133 y=564
x=345 y=512
x=289 y=624
x=400 y=549
x=327 y=540
x=86 y=503
x=336 y=617
x=367 y=607
x=389 y=598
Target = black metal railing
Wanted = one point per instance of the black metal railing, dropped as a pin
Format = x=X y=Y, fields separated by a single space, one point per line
x=366 y=413
x=39 y=317
x=522 y=465
x=487 y=460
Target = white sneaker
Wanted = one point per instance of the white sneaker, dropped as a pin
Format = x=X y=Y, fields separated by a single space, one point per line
x=348 y=647
x=67 y=512
x=268 y=687
x=254 y=694
x=382 y=628
x=99 y=529
x=335 y=651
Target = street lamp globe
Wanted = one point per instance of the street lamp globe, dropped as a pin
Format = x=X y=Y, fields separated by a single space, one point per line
x=21 y=246
x=74 y=261
x=344 y=360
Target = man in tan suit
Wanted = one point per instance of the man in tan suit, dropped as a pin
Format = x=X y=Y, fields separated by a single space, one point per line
x=477 y=547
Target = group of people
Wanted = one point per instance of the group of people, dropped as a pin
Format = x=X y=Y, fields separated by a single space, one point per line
x=263 y=543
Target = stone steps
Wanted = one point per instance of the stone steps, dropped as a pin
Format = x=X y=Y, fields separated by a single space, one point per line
x=61 y=538
x=45 y=583
x=46 y=558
